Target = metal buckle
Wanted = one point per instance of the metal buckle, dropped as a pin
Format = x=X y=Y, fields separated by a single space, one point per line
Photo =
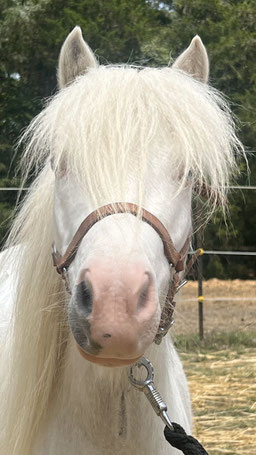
x=64 y=275
x=55 y=255
x=162 y=331
x=183 y=283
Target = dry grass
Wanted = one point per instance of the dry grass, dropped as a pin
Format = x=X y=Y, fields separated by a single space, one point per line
x=221 y=370
x=223 y=392
x=221 y=312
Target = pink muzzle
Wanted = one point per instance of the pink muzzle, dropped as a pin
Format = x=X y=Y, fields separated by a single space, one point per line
x=122 y=309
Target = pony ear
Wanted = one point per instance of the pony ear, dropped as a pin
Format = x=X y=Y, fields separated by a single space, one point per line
x=75 y=58
x=194 y=60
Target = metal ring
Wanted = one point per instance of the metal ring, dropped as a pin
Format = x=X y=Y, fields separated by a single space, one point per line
x=140 y=384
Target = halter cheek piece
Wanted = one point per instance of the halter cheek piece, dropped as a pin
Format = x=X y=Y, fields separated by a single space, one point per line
x=175 y=258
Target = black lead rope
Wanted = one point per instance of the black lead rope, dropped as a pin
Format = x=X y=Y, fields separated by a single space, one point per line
x=179 y=439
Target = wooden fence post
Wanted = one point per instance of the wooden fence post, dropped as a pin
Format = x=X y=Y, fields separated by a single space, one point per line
x=200 y=297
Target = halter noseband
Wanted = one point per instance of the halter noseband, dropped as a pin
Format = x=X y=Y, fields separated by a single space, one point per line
x=175 y=258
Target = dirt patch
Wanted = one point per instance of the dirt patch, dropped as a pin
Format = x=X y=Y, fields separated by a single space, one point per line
x=228 y=305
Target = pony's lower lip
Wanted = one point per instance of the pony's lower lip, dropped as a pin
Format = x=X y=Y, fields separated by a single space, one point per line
x=107 y=362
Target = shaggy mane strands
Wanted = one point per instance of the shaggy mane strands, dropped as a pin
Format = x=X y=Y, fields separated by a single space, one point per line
x=104 y=126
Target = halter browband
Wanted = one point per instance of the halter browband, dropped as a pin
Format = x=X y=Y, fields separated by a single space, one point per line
x=175 y=258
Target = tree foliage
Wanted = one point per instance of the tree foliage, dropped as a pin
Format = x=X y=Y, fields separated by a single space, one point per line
x=151 y=32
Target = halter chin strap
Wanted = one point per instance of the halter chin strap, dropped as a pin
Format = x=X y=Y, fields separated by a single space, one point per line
x=175 y=258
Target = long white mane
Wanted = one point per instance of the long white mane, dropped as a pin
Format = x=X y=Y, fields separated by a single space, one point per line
x=103 y=126
x=101 y=129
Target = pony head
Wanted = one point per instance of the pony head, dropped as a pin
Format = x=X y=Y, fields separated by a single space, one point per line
x=120 y=134
x=120 y=274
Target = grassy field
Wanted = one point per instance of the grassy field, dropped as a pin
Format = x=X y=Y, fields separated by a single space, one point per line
x=221 y=372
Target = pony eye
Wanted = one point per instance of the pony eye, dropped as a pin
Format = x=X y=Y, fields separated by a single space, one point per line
x=52 y=163
x=190 y=175
x=60 y=170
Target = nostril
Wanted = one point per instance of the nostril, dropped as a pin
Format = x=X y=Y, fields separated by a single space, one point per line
x=144 y=292
x=143 y=297
x=84 y=296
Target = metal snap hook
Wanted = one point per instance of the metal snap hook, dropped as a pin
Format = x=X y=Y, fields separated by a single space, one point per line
x=147 y=386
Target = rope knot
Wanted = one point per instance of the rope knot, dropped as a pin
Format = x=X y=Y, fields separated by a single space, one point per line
x=180 y=440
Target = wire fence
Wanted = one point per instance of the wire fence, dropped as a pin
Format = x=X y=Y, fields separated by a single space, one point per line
x=13 y=189
x=222 y=299
x=201 y=298
x=230 y=253
x=235 y=187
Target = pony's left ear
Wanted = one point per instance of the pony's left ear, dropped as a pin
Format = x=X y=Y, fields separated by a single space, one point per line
x=75 y=58
x=194 y=60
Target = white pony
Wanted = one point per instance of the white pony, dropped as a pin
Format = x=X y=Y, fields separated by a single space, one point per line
x=110 y=134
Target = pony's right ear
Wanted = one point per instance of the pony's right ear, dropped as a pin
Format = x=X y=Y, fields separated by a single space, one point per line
x=75 y=58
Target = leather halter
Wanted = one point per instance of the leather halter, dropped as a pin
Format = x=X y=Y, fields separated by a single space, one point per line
x=175 y=258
